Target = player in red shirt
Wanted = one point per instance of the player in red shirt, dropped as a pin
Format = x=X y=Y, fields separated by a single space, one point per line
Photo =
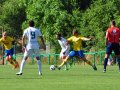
x=112 y=43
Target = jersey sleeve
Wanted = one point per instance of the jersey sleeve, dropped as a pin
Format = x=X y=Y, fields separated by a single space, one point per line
x=25 y=33
x=70 y=39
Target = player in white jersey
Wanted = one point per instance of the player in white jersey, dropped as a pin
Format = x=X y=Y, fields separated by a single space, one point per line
x=32 y=46
x=65 y=48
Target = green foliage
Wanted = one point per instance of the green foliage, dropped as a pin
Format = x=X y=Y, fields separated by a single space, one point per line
x=90 y=17
x=95 y=20
x=13 y=15
x=79 y=77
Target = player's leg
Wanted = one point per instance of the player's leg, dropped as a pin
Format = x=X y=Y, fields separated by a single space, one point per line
x=117 y=53
x=71 y=54
x=106 y=61
x=109 y=49
x=11 y=62
x=16 y=64
x=8 y=58
x=89 y=63
x=26 y=54
x=118 y=59
x=65 y=65
x=70 y=62
x=11 y=59
x=82 y=56
x=37 y=55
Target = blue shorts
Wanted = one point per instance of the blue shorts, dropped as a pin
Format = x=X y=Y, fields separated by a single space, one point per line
x=9 y=52
x=113 y=47
x=76 y=53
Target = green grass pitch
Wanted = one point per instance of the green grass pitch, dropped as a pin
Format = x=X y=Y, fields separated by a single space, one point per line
x=79 y=77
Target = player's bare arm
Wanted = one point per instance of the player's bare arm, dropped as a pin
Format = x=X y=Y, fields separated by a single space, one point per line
x=44 y=46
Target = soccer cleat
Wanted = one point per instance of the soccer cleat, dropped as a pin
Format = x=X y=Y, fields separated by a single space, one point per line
x=94 y=67
x=66 y=69
x=104 y=71
x=40 y=73
x=19 y=73
x=59 y=68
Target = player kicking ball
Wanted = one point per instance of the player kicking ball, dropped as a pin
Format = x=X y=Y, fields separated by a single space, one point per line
x=76 y=39
x=65 y=49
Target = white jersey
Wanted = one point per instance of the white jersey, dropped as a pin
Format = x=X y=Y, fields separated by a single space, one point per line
x=32 y=35
x=65 y=48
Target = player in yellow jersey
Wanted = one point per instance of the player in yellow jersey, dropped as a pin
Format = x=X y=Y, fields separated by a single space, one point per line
x=9 y=51
x=76 y=39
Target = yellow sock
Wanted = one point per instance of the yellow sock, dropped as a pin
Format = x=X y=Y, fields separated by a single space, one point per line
x=62 y=63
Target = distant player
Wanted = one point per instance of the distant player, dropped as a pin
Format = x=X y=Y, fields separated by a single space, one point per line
x=112 y=43
x=65 y=48
x=32 y=46
x=9 y=51
x=76 y=39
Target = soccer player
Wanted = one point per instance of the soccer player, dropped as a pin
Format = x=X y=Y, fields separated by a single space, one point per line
x=76 y=39
x=65 y=48
x=9 y=51
x=32 y=46
x=112 y=43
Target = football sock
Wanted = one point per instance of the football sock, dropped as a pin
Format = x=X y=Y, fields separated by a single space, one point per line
x=39 y=66
x=119 y=63
x=105 y=63
x=66 y=66
x=62 y=64
x=22 y=65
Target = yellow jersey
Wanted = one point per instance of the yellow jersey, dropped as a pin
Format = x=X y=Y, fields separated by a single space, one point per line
x=7 y=42
x=77 y=42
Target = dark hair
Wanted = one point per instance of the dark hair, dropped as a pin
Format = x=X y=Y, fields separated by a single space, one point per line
x=75 y=31
x=31 y=23
x=58 y=34
x=113 y=22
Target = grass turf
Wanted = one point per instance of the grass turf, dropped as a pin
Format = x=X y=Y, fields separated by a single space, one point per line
x=79 y=77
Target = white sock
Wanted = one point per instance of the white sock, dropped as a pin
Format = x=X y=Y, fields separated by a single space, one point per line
x=22 y=66
x=65 y=66
x=39 y=66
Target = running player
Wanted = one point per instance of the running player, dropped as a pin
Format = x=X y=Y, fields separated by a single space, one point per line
x=9 y=51
x=32 y=46
x=76 y=39
x=112 y=43
x=65 y=48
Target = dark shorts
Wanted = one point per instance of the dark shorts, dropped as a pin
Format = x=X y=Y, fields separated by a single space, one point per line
x=113 y=47
x=76 y=53
x=9 y=52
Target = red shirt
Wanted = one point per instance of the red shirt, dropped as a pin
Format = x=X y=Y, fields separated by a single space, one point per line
x=113 y=34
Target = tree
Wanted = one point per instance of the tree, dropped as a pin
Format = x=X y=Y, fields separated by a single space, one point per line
x=95 y=21
x=12 y=16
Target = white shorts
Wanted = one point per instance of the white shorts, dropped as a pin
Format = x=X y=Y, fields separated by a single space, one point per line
x=66 y=53
x=30 y=52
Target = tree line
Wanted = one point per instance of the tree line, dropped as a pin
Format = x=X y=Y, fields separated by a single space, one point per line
x=90 y=17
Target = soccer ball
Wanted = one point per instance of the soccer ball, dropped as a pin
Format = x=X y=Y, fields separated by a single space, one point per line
x=52 y=67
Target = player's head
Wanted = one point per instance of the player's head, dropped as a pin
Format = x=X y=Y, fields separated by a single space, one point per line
x=75 y=32
x=113 y=23
x=4 y=34
x=31 y=23
x=58 y=35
